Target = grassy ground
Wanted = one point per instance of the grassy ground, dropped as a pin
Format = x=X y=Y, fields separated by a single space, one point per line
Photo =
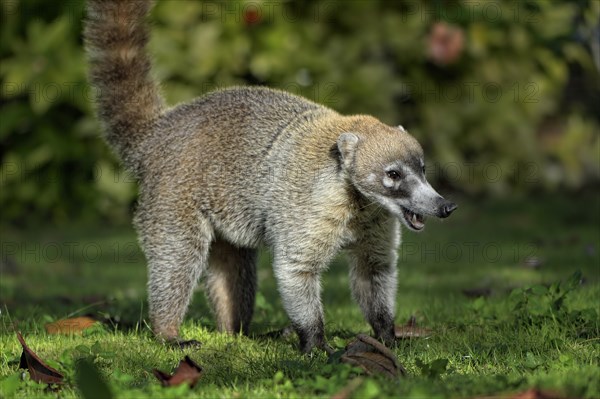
x=508 y=340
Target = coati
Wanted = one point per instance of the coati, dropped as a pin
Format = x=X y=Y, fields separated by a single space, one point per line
x=250 y=166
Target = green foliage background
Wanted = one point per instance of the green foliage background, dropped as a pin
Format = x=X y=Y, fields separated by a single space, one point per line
x=517 y=112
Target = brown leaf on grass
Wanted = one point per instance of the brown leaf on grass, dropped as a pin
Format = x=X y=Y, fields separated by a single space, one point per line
x=74 y=325
x=38 y=370
x=373 y=357
x=187 y=372
x=411 y=330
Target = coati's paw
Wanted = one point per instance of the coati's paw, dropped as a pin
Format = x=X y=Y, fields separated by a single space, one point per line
x=385 y=333
x=183 y=344
x=308 y=342
x=323 y=345
x=178 y=343
x=388 y=340
x=327 y=348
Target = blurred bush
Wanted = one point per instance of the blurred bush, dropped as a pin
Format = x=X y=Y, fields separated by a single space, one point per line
x=502 y=95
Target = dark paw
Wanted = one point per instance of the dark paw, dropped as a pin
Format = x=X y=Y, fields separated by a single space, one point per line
x=309 y=341
x=327 y=348
x=324 y=346
x=389 y=340
x=184 y=344
x=311 y=336
x=385 y=333
x=306 y=347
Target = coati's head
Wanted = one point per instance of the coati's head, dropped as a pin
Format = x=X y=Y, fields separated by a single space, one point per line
x=387 y=166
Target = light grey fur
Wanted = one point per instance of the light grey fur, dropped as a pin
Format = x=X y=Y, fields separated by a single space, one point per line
x=245 y=167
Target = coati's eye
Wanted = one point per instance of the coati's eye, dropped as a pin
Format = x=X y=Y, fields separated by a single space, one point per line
x=423 y=168
x=393 y=174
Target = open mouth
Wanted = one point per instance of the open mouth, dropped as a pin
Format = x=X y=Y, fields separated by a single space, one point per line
x=414 y=220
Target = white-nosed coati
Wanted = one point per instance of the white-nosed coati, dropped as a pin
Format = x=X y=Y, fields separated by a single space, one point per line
x=242 y=167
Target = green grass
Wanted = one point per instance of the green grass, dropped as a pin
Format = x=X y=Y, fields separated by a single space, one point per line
x=495 y=345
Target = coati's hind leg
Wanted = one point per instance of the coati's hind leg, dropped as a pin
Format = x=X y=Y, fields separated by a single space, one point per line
x=177 y=256
x=231 y=285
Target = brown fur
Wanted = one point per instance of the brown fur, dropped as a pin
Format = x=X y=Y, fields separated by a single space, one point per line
x=242 y=167
x=128 y=98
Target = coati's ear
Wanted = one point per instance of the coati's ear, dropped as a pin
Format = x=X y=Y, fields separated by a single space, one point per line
x=346 y=145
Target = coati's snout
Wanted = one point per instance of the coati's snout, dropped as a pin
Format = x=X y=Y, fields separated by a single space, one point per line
x=446 y=208
x=387 y=166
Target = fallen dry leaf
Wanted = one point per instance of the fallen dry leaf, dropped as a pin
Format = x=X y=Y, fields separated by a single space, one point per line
x=38 y=370
x=373 y=357
x=74 y=325
x=187 y=372
x=411 y=330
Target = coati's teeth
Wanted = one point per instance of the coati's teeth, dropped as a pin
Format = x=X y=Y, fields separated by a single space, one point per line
x=414 y=218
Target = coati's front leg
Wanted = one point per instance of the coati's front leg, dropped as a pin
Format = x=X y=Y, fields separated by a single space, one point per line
x=231 y=285
x=298 y=280
x=373 y=275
